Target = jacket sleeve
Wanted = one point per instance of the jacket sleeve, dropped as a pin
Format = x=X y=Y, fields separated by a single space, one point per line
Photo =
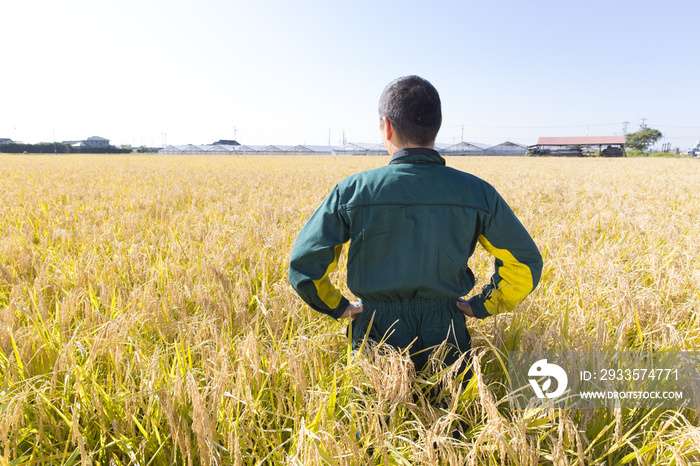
x=315 y=255
x=518 y=262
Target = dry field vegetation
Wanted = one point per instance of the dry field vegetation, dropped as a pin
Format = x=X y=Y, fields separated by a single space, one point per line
x=146 y=317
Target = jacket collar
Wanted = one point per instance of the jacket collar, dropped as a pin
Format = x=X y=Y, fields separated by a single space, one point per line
x=417 y=155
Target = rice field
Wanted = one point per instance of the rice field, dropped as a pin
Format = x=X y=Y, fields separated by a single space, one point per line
x=146 y=317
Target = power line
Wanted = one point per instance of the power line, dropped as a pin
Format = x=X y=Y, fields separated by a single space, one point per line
x=623 y=123
x=533 y=127
x=678 y=127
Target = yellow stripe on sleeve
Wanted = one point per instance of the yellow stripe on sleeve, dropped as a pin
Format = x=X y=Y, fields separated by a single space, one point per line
x=328 y=293
x=515 y=284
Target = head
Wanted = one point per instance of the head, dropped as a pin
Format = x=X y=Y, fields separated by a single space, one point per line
x=410 y=109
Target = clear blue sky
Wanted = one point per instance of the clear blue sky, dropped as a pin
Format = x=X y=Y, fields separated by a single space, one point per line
x=288 y=72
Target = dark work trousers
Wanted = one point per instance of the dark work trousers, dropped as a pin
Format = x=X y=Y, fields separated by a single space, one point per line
x=422 y=324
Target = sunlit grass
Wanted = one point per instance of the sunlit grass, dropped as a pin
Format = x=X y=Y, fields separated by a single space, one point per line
x=147 y=319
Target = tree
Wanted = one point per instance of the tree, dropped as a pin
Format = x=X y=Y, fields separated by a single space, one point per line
x=643 y=139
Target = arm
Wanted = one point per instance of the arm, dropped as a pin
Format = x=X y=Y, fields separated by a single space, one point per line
x=518 y=263
x=315 y=255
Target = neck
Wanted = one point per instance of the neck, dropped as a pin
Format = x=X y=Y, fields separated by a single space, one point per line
x=393 y=146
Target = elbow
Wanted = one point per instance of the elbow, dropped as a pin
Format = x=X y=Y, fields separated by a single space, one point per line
x=536 y=272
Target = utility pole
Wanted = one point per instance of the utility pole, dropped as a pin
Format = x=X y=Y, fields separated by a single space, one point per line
x=644 y=124
x=329 y=136
x=462 y=133
x=234 y=134
x=625 y=124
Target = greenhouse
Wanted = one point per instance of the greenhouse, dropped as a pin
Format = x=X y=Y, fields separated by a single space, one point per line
x=214 y=149
x=320 y=150
x=506 y=148
x=377 y=149
x=172 y=150
x=463 y=148
x=193 y=149
x=273 y=150
x=241 y=149
x=317 y=150
x=352 y=148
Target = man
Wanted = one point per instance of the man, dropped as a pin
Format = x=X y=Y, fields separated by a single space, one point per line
x=412 y=226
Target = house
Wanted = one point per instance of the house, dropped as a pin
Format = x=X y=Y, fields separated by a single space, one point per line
x=227 y=142
x=96 y=142
x=93 y=142
x=5 y=140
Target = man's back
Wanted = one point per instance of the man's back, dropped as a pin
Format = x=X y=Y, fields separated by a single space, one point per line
x=412 y=226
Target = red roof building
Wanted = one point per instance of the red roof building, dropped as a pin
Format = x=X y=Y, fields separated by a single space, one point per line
x=572 y=146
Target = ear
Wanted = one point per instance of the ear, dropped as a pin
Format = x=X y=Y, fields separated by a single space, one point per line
x=387 y=129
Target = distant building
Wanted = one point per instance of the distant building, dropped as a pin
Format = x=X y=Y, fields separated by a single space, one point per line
x=573 y=146
x=227 y=142
x=310 y=149
x=506 y=148
x=96 y=142
x=463 y=148
x=273 y=150
x=353 y=148
x=5 y=140
x=209 y=149
x=377 y=149
x=93 y=142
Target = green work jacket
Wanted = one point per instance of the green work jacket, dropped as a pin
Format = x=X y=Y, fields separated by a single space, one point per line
x=412 y=227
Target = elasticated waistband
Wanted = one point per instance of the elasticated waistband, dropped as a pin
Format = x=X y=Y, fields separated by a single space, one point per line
x=409 y=305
